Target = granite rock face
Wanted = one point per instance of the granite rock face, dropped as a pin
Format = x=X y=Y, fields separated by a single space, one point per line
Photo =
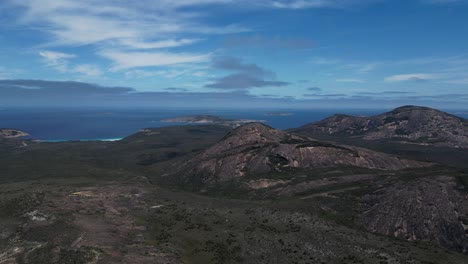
x=413 y=124
x=258 y=149
x=428 y=209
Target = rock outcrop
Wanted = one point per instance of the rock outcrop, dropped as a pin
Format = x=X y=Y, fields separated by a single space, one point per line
x=12 y=133
x=428 y=209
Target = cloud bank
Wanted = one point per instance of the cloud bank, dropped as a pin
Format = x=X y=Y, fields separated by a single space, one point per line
x=245 y=76
x=39 y=93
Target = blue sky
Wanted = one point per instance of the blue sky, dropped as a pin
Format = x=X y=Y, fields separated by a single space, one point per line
x=226 y=53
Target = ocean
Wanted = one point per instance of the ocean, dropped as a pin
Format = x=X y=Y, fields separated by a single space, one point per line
x=113 y=124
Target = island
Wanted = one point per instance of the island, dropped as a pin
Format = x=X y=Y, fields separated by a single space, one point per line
x=279 y=114
x=12 y=133
x=208 y=119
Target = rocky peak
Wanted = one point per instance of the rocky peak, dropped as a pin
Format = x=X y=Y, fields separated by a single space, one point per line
x=246 y=136
x=416 y=113
x=415 y=124
x=338 y=117
x=255 y=149
x=406 y=108
x=255 y=133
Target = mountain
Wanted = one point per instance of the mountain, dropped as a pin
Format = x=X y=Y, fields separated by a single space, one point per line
x=254 y=149
x=409 y=124
x=12 y=133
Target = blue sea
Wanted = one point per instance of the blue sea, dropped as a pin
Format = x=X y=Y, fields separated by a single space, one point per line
x=113 y=124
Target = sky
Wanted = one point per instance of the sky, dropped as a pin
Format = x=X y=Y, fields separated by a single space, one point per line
x=234 y=53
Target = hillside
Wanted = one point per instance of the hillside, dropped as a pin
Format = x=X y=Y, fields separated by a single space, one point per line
x=360 y=186
x=256 y=149
x=409 y=124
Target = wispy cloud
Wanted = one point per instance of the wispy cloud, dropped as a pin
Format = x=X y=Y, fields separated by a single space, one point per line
x=175 y=89
x=88 y=70
x=56 y=60
x=261 y=41
x=303 y=4
x=169 y=43
x=169 y=73
x=127 y=60
x=350 y=80
x=366 y=68
x=53 y=57
x=396 y=92
x=314 y=89
x=4 y=73
x=320 y=95
x=60 y=62
x=458 y=81
x=243 y=81
x=145 y=24
x=360 y=67
x=454 y=60
x=441 y=1
x=356 y=67
x=129 y=35
x=411 y=77
x=324 y=61
x=449 y=69
x=146 y=33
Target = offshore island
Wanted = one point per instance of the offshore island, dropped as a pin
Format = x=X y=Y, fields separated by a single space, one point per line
x=279 y=114
x=209 y=119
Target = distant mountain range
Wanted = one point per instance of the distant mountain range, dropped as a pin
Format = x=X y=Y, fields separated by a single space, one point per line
x=409 y=124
